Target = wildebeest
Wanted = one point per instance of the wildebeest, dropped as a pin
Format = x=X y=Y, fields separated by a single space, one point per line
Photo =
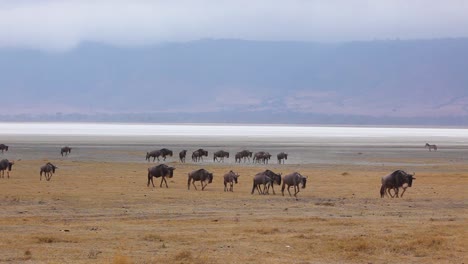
x=266 y=179
x=65 y=150
x=281 y=157
x=394 y=181
x=261 y=156
x=220 y=155
x=162 y=171
x=198 y=154
x=434 y=147
x=165 y=152
x=48 y=169
x=238 y=157
x=294 y=179
x=6 y=165
x=3 y=147
x=231 y=178
x=153 y=154
x=182 y=155
x=244 y=154
x=201 y=175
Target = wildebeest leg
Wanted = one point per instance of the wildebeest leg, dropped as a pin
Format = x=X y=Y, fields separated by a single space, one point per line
x=193 y=182
x=203 y=186
x=253 y=188
x=232 y=187
x=225 y=186
x=273 y=189
x=289 y=186
x=404 y=190
x=396 y=192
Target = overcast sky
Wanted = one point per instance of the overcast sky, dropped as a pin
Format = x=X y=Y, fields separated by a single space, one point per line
x=62 y=25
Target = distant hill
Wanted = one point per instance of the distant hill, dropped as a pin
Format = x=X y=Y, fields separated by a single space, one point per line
x=390 y=82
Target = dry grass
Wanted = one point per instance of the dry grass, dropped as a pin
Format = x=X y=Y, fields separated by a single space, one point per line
x=112 y=217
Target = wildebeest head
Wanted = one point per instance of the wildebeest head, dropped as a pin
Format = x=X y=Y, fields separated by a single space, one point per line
x=147 y=156
x=10 y=164
x=250 y=154
x=304 y=181
x=277 y=178
x=227 y=156
x=410 y=179
x=210 y=177
x=285 y=156
x=171 y=171
x=6 y=148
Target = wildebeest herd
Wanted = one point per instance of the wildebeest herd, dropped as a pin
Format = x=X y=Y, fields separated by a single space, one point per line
x=262 y=181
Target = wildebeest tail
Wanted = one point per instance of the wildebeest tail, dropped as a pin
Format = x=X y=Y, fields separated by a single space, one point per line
x=382 y=191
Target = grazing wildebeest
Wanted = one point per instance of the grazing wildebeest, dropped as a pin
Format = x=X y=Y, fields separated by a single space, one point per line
x=154 y=154
x=201 y=175
x=182 y=155
x=230 y=178
x=3 y=147
x=220 y=155
x=6 y=165
x=165 y=152
x=198 y=154
x=294 y=179
x=281 y=157
x=48 y=170
x=266 y=179
x=65 y=150
x=162 y=171
x=434 y=147
x=394 y=181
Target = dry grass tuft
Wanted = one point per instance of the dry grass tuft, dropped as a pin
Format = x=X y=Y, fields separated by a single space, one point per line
x=267 y=231
x=50 y=239
x=153 y=237
x=345 y=173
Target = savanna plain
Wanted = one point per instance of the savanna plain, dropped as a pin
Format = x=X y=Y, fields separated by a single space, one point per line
x=101 y=210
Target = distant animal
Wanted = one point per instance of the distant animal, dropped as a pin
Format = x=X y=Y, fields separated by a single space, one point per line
x=265 y=178
x=3 y=147
x=182 y=155
x=153 y=154
x=434 y=147
x=165 y=152
x=6 y=165
x=202 y=175
x=238 y=157
x=282 y=157
x=198 y=154
x=245 y=154
x=294 y=179
x=394 y=181
x=65 y=150
x=162 y=171
x=230 y=178
x=220 y=155
x=261 y=157
x=48 y=169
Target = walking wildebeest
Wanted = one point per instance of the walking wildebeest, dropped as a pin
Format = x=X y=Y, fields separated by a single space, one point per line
x=266 y=179
x=259 y=156
x=201 y=175
x=6 y=165
x=3 y=147
x=153 y=154
x=245 y=154
x=165 y=152
x=230 y=178
x=294 y=179
x=65 y=150
x=182 y=155
x=220 y=155
x=198 y=154
x=434 y=147
x=282 y=156
x=48 y=170
x=394 y=181
x=161 y=170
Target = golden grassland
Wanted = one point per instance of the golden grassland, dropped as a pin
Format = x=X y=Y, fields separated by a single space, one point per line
x=103 y=212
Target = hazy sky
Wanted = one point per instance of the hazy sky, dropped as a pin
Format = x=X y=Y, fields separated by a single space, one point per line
x=61 y=25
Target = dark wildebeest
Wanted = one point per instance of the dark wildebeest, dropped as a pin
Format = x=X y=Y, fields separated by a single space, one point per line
x=220 y=155
x=198 y=154
x=48 y=170
x=165 y=152
x=65 y=150
x=259 y=156
x=434 y=147
x=153 y=154
x=162 y=171
x=6 y=165
x=394 y=181
x=266 y=179
x=294 y=179
x=246 y=155
x=230 y=178
x=3 y=147
x=182 y=155
x=281 y=157
x=238 y=157
x=201 y=175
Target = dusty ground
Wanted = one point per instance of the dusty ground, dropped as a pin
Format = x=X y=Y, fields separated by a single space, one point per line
x=104 y=212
